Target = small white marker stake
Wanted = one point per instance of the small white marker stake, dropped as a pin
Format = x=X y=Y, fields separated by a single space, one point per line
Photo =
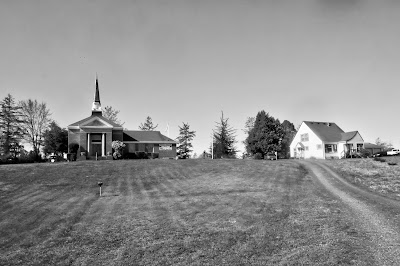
x=100 y=184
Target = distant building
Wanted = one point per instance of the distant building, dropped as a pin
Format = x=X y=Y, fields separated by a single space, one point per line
x=324 y=140
x=92 y=137
x=373 y=148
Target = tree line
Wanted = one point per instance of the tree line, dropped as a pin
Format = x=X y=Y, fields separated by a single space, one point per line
x=29 y=121
x=264 y=134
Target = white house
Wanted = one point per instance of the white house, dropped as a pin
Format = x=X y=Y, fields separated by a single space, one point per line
x=324 y=140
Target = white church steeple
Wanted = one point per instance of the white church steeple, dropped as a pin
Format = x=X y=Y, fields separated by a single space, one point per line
x=96 y=107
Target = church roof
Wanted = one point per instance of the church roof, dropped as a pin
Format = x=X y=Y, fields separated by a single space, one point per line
x=146 y=136
x=93 y=117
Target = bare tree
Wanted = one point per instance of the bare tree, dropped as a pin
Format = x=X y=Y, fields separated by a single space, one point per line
x=112 y=114
x=36 y=119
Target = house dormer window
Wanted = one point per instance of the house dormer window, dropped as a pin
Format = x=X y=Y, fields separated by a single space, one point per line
x=304 y=137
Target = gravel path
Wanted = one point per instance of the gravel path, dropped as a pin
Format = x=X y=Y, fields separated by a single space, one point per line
x=376 y=215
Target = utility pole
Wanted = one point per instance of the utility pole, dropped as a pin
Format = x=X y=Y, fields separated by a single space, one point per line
x=212 y=146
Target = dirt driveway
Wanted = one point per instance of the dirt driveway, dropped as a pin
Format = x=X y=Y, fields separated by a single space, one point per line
x=377 y=216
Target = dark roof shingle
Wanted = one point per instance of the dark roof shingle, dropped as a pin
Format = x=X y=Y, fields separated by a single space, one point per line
x=143 y=136
x=326 y=131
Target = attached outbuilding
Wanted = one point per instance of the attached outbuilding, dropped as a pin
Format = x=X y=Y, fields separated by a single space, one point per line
x=373 y=148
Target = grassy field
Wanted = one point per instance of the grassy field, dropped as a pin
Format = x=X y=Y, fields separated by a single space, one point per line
x=187 y=212
x=380 y=177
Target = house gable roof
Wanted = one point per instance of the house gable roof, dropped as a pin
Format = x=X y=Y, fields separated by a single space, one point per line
x=96 y=120
x=146 y=136
x=346 y=136
x=326 y=131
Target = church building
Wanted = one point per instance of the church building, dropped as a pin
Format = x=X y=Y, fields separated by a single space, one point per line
x=92 y=137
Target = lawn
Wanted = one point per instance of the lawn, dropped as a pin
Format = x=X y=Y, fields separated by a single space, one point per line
x=186 y=212
x=380 y=175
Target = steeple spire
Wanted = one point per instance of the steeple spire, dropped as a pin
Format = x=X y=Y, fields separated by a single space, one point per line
x=97 y=94
x=96 y=107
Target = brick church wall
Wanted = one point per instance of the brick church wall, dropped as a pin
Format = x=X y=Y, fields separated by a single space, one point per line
x=168 y=153
x=117 y=135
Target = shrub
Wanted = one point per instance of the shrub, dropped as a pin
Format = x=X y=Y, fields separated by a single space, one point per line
x=73 y=148
x=258 y=156
x=118 y=146
x=365 y=153
x=379 y=159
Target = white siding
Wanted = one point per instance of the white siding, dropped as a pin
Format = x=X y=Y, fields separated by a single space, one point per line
x=313 y=141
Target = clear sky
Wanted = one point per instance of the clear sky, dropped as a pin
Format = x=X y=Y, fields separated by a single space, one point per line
x=186 y=61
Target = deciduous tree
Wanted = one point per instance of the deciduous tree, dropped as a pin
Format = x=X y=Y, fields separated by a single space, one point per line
x=224 y=139
x=248 y=126
x=55 y=140
x=148 y=125
x=36 y=119
x=112 y=114
x=384 y=144
x=289 y=133
x=185 y=137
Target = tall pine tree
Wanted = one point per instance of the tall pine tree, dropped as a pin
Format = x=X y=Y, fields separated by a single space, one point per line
x=224 y=140
x=11 y=132
x=185 y=137
x=266 y=135
x=148 y=125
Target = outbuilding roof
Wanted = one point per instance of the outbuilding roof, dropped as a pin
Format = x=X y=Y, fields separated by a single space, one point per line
x=368 y=145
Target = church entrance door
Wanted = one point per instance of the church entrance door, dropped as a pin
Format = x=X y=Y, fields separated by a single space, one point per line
x=96 y=147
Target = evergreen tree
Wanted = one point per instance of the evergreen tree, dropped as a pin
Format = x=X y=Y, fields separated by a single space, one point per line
x=55 y=140
x=289 y=133
x=11 y=132
x=266 y=136
x=224 y=139
x=112 y=115
x=184 y=139
x=148 y=125
x=36 y=118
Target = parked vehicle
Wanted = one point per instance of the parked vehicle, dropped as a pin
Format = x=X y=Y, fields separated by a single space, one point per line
x=271 y=156
x=380 y=154
x=393 y=152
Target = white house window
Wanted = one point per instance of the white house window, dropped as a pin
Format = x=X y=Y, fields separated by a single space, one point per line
x=304 y=137
x=319 y=146
x=330 y=148
x=306 y=148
